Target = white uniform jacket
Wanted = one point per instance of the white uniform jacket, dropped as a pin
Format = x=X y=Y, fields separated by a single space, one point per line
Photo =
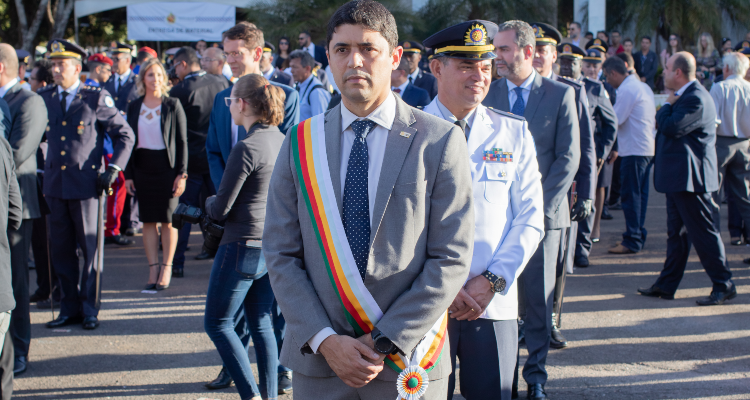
x=508 y=202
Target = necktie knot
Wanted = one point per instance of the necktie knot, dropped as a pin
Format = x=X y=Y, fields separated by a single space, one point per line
x=397 y=90
x=519 y=91
x=362 y=128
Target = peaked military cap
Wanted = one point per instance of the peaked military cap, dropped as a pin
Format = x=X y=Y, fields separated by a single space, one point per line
x=119 y=47
x=59 y=48
x=411 y=46
x=597 y=44
x=594 y=56
x=742 y=45
x=570 y=50
x=546 y=34
x=745 y=51
x=269 y=48
x=470 y=40
x=23 y=56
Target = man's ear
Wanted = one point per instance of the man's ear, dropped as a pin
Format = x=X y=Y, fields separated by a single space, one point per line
x=397 y=56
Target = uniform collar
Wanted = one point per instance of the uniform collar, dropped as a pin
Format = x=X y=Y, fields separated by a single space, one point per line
x=269 y=74
x=384 y=115
x=72 y=90
x=448 y=116
x=414 y=75
x=124 y=76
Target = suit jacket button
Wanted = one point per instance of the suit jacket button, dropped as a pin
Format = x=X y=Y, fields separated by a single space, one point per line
x=93 y=167
x=62 y=138
x=63 y=168
x=48 y=129
x=62 y=153
x=115 y=98
x=64 y=123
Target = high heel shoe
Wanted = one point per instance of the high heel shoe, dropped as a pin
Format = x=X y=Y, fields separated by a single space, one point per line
x=161 y=273
x=151 y=286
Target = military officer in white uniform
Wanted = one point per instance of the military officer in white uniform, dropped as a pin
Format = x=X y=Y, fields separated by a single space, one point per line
x=508 y=210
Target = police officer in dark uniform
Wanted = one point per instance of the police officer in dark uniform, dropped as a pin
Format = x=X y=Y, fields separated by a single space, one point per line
x=78 y=117
x=413 y=52
x=268 y=69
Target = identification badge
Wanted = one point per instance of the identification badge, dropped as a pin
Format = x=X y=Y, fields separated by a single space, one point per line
x=497 y=155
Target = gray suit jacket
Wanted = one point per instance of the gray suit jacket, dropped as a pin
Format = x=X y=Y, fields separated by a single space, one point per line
x=29 y=116
x=421 y=241
x=553 y=122
x=10 y=219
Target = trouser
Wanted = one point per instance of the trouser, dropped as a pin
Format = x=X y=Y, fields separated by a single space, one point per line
x=564 y=267
x=613 y=195
x=279 y=329
x=484 y=373
x=634 y=188
x=130 y=216
x=690 y=220
x=733 y=160
x=583 y=242
x=115 y=202
x=197 y=189
x=737 y=226
x=20 y=326
x=538 y=284
x=333 y=388
x=7 y=358
x=41 y=259
x=73 y=225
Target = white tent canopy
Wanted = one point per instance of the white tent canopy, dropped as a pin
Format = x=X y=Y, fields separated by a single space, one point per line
x=87 y=7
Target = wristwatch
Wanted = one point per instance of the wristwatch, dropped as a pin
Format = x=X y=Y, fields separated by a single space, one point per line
x=383 y=345
x=497 y=283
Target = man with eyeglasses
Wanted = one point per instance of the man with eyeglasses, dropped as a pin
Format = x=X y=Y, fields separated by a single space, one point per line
x=214 y=62
x=100 y=70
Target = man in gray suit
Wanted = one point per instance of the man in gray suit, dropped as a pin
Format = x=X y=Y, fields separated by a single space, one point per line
x=398 y=190
x=27 y=129
x=550 y=109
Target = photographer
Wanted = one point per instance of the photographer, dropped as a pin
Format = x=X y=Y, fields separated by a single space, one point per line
x=239 y=273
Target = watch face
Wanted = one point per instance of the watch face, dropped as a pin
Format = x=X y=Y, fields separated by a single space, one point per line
x=499 y=285
x=383 y=345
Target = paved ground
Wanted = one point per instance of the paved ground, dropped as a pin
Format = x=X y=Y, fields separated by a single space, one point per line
x=623 y=346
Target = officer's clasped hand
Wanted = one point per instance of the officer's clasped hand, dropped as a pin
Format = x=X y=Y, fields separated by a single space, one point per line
x=106 y=179
x=581 y=210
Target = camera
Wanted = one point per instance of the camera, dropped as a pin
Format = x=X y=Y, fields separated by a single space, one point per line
x=213 y=229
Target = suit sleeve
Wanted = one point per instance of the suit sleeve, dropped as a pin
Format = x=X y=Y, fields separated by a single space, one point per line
x=112 y=122
x=213 y=151
x=5 y=121
x=15 y=203
x=181 y=143
x=586 y=175
x=284 y=253
x=28 y=128
x=567 y=155
x=291 y=111
x=449 y=249
x=607 y=116
x=676 y=122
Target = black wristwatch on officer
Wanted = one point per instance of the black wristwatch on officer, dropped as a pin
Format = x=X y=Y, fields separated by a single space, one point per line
x=383 y=345
x=497 y=283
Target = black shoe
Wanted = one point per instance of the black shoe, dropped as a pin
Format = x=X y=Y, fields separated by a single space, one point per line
x=654 y=291
x=285 y=382
x=606 y=215
x=90 y=323
x=746 y=261
x=178 y=272
x=536 y=392
x=37 y=297
x=222 y=381
x=19 y=365
x=64 y=321
x=557 y=340
x=119 y=240
x=718 y=298
x=616 y=206
x=735 y=241
x=130 y=232
x=581 y=262
x=47 y=304
x=204 y=256
x=514 y=392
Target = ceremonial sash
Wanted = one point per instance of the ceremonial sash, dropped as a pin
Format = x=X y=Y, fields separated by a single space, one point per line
x=361 y=310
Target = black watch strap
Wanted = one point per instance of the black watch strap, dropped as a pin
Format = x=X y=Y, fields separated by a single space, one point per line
x=497 y=282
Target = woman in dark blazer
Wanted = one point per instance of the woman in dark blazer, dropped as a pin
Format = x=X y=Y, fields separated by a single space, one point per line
x=157 y=169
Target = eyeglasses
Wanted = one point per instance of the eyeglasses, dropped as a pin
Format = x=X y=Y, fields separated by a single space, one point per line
x=234 y=54
x=228 y=100
x=208 y=60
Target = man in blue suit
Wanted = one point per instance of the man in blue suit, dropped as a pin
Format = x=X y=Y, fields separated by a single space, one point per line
x=685 y=169
x=410 y=94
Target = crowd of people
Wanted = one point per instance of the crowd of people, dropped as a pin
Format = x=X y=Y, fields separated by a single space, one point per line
x=349 y=194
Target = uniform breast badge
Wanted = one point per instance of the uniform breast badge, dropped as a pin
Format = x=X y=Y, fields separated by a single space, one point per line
x=80 y=129
x=498 y=155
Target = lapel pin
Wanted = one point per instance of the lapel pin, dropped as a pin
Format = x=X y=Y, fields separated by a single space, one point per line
x=503 y=174
x=405 y=134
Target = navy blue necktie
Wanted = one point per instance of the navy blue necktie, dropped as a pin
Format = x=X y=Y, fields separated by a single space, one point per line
x=356 y=199
x=518 y=107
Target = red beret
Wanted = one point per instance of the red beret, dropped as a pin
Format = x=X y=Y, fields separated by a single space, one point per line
x=146 y=49
x=101 y=58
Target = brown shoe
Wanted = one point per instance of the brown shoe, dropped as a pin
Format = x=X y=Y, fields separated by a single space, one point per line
x=620 y=249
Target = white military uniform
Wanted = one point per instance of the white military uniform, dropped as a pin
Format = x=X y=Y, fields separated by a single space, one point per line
x=509 y=225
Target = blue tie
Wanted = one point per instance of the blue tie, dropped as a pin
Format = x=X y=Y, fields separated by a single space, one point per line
x=356 y=199
x=518 y=107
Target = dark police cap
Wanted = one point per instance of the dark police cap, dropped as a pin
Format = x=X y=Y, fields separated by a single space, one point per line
x=746 y=51
x=594 y=56
x=597 y=44
x=411 y=46
x=23 y=56
x=269 y=48
x=471 y=40
x=570 y=51
x=546 y=34
x=119 y=47
x=59 y=48
x=742 y=45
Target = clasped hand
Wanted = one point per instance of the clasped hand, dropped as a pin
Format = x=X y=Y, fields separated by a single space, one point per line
x=353 y=360
x=472 y=299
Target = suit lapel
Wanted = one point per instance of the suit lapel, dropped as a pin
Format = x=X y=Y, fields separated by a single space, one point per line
x=396 y=148
x=534 y=98
x=333 y=149
x=502 y=94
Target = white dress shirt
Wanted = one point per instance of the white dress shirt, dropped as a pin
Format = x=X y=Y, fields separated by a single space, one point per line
x=681 y=90
x=401 y=88
x=4 y=89
x=72 y=92
x=376 y=139
x=268 y=74
x=414 y=75
x=732 y=99
x=311 y=49
x=526 y=86
x=235 y=132
x=120 y=79
x=636 y=117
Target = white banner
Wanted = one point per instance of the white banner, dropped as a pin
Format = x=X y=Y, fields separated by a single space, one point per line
x=185 y=22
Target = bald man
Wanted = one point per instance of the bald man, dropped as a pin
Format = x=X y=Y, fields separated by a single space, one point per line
x=685 y=169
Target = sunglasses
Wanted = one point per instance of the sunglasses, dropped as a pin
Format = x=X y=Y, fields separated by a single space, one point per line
x=228 y=100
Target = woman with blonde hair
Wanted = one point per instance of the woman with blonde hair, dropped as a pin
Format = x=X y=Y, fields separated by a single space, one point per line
x=707 y=60
x=157 y=170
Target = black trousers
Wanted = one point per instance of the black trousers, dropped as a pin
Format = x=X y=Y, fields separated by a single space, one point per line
x=41 y=259
x=690 y=220
x=20 y=323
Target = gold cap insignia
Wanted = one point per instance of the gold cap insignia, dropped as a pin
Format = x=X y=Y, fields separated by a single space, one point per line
x=567 y=49
x=406 y=45
x=58 y=47
x=538 y=32
x=476 y=35
x=745 y=44
x=597 y=42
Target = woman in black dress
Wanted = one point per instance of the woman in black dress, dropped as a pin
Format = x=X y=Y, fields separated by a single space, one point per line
x=283 y=55
x=157 y=170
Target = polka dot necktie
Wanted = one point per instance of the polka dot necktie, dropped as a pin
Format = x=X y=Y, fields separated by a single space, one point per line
x=518 y=107
x=356 y=199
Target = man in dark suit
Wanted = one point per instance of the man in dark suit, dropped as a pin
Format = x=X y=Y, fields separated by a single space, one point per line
x=410 y=94
x=550 y=108
x=26 y=133
x=413 y=54
x=318 y=53
x=78 y=118
x=646 y=63
x=685 y=169
x=196 y=91
x=268 y=70
x=10 y=220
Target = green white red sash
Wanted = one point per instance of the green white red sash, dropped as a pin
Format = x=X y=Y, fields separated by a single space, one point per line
x=361 y=310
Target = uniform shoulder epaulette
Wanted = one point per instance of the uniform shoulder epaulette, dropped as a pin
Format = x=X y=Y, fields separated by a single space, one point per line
x=507 y=114
x=572 y=81
x=91 y=88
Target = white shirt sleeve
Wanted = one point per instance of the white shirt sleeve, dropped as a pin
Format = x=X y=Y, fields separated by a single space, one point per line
x=319 y=337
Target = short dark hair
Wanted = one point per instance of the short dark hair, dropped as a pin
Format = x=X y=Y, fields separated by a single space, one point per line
x=646 y=37
x=44 y=71
x=589 y=33
x=615 y=64
x=578 y=24
x=246 y=31
x=685 y=64
x=626 y=58
x=614 y=31
x=368 y=13
x=627 y=40
x=187 y=54
x=605 y=34
x=142 y=56
x=306 y=33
